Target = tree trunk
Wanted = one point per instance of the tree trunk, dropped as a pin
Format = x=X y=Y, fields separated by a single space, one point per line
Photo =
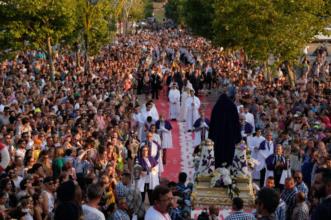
x=125 y=26
x=87 y=62
x=267 y=72
x=50 y=57
x=291 y=75
x=77 y=48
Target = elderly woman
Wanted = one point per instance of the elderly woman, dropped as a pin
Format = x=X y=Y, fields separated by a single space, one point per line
x=149 y=177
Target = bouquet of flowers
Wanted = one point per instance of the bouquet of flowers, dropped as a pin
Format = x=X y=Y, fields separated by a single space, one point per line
x=222 y=178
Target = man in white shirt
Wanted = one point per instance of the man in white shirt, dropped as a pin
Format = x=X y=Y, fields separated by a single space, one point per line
x=90 y=209
x=162 y=203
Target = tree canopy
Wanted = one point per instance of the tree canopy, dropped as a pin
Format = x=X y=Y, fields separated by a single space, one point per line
x=260 y=27
x=39 y=24
x=28 y=23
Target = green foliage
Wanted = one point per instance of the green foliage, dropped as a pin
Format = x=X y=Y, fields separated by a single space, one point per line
x=198 y=16
x=93 y=22
x=137 y=9
x=174 y=10
x=27 y=24
x=263 y=27
x=148 y=8
x=260 y=27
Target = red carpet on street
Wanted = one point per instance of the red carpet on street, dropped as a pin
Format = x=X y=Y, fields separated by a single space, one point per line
x=179 y=158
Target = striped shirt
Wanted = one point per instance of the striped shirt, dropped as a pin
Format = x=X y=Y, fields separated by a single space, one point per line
x=240 y=215
x=288 y=196
x=303 y=188
x=280 y=213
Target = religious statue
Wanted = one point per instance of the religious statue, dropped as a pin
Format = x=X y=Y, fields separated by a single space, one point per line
x=224 y=130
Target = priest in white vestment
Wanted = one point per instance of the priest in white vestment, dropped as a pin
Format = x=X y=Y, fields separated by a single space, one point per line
x=155 y=150
x=149 y=177
x=184 y=96
x=174 y=102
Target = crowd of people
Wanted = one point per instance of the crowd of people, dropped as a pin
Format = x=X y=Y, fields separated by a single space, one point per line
x=75 y=139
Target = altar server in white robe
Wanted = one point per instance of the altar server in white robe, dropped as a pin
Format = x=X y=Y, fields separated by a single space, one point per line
x=156 y=135
x=150 y=110
x=149 y=177
x=249 y=117
x=185 y=94
x=138 y=122
x=266 y=149
x=201 y=128
x=253 y=143
x=174 y=102
x=192 y=110
x=164 y=129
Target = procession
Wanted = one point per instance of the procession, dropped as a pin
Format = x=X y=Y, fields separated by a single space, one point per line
x=164 y=125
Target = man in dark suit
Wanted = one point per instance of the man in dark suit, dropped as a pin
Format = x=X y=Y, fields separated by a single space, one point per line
x=195 y=79
x=156 y=85
x=276 y=165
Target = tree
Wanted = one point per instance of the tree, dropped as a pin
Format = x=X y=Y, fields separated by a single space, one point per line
x=174 y=10
x=94 y=25
x=148 y=8
x=263 y=27
x=198 y=16
x=133 y=10
x=35 y=24
x=138 y=9
x=260 y=27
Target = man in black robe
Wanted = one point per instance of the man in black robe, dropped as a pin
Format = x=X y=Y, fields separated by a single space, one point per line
x=224 y=130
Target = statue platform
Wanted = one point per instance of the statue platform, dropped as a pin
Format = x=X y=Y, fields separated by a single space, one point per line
x=204 y=195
